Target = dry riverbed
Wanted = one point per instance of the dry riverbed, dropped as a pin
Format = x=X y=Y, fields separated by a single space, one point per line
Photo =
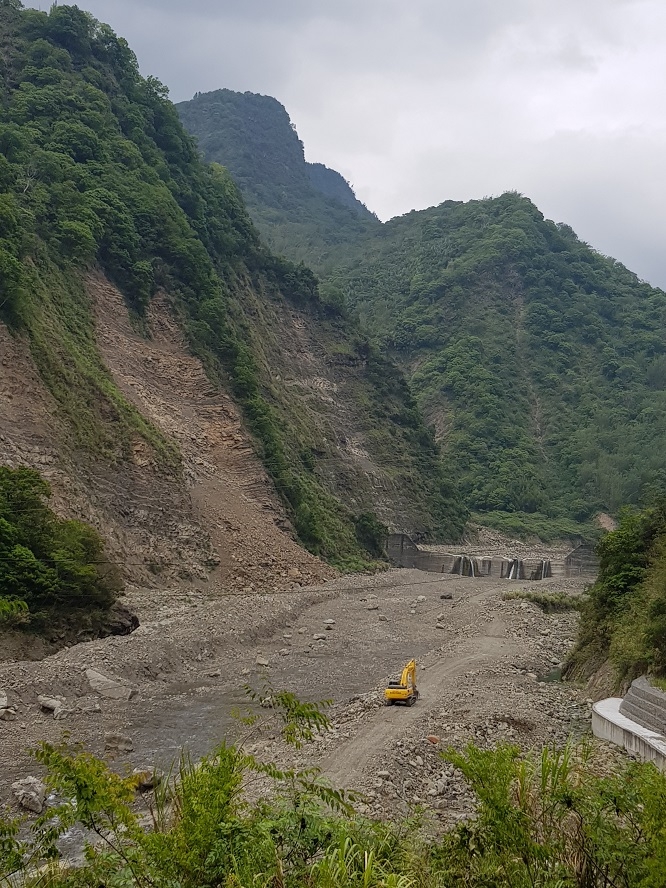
x=179 y=678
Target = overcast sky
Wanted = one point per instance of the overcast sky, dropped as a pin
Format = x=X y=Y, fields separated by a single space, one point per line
x=420 y=101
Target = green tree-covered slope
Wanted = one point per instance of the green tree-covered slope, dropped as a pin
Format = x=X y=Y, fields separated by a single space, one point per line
x=49 y=568
x=303 y=210
x=540 y=363
x=97 y=170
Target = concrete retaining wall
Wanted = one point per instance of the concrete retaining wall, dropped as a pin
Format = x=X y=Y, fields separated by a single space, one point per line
x=646 y=705
x=608 y=723
x=582 y=562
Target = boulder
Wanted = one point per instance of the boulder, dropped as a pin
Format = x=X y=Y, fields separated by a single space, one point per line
x=4 y=701
x=147 y=778
x=373 y=606
x=54 y=705
x=109 y=687
x=261 y=661
x=30 y=793
x=383 y=618
x=446 y=596
x=7 y=714
x=319 y=636
x=329 y=622
x=421 y=599
x=118 y=742
x=121 y=620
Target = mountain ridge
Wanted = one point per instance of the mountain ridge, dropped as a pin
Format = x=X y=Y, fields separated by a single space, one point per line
x=539 y=362
x=98 y=177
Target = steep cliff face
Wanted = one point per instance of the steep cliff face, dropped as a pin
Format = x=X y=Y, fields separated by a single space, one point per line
x=184 y=390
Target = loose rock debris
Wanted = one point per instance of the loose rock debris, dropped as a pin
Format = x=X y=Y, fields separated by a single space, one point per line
x=138 y=698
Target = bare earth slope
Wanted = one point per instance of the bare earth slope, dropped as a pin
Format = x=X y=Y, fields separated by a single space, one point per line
x=232 y=499
x=214 y=522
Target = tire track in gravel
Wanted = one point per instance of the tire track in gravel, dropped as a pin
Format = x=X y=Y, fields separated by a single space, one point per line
x=347 y=763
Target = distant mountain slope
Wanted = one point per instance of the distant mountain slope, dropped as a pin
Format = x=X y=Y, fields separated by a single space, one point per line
x=301 y=209
x=98 y=176
x=540 y=363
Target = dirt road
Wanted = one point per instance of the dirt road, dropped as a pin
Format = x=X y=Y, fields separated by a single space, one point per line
x=345 y=766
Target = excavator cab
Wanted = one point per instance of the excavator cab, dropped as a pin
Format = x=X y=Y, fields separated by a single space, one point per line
x=404 y=690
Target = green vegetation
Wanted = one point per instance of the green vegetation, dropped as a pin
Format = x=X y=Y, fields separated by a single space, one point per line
x=536 y=358
x=96 y=169
x=301 y=209
x=549 y=602
x=542 y=820
x=624 y=618
x=48 y=567
x=540 y=363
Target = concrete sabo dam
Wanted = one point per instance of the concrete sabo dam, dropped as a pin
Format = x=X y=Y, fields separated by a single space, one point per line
x=403 y=552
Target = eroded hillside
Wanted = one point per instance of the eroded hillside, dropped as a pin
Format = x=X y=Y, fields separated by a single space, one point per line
x=184 y=391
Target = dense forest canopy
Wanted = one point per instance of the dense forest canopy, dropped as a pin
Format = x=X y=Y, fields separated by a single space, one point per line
x=540 y=363
x=301 y=209
x=96 y=169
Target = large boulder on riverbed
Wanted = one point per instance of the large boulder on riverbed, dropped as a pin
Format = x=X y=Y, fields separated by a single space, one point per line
x=109 y=687
x=30 y=793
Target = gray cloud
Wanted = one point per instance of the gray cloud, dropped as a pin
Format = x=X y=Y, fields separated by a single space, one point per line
x=423 y=101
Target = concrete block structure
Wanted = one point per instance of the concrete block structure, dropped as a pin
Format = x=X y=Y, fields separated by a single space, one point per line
x=609 y=723
x=404 y=552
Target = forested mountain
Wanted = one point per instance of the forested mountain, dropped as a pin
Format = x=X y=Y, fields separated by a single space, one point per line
x=97 y=173
x=301 y=209
x=540 y=363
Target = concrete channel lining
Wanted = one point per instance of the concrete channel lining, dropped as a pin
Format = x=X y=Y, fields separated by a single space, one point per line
x=608 y=723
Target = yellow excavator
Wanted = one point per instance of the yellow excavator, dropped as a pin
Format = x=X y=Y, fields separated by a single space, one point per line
x=403 y=691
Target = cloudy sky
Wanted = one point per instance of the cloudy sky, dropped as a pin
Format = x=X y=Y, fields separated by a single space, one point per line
x=420 y=101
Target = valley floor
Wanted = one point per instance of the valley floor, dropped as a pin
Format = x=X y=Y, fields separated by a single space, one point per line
x=187 y=665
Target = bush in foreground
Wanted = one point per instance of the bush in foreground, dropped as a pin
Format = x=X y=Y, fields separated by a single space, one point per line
x=550 y=820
